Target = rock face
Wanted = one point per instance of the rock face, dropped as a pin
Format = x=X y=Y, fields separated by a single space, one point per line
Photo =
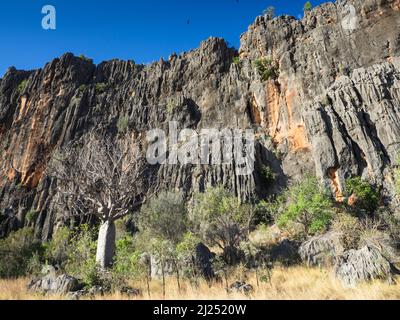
x=366 y=264
x=332 y=109
x=321 y=250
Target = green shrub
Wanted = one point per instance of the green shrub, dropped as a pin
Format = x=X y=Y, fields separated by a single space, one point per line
x=266 y=68
x=171 y=106
x=186 y=248
x=123 y=124
x=126 y=263
x=57 y=249
x=81 y=256
x=307 y=203
x=367 y=197
x=236 y=60
x=82 y=88
x=219 y=219
x=31 y=216
x=349 y=228
x=101 y=87
x=268 y=174
x=165 y=217
x=84 y=58
x=307 y=6
x=22 y=86
x=16 y=252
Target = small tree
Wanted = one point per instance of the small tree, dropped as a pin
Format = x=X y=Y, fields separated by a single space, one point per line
x=16 y=251
x=266 y=68
x=307 y=203
x=307 y=6
x=220 y=219
x=101 y=177
x=164 y=217
x=162 y=250
x=127 y=259
x=185 y=251
x=222 y=269
x=257 y=259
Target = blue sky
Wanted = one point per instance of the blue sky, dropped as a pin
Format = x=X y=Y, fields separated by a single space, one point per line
x=126 y=29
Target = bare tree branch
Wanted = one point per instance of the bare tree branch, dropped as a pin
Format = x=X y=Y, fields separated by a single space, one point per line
x=100 y=176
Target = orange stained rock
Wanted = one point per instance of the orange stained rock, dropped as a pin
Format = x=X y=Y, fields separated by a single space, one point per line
x=353 y=200
x=281 y=125
x=29 y=152
x=255 y=113
x=11 y=174
x=335 y=182
x=273 y=108
x=22 y=108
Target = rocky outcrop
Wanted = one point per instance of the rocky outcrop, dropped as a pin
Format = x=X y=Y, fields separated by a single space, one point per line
x=54 y=285
x=327 y=110
x=362 y=265
x=321 y=250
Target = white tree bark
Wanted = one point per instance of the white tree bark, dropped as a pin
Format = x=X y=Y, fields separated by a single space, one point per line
x=106 y=245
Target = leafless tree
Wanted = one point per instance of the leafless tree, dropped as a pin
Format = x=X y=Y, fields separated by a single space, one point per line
x=103 y=177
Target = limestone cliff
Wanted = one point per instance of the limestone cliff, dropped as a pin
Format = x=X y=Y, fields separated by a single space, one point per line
x=332 y=109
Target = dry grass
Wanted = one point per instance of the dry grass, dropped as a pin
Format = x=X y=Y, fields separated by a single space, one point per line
x=296 y=283
x=16 y=290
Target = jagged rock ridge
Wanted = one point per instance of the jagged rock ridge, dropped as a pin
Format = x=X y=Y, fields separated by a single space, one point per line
x=333 y=108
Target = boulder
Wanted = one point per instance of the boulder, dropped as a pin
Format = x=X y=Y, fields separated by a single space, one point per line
x=321 y=250
x=130 y=292
x=77 y=295
x=203 y=261
x=386 y=245
x=53 y=284
x=356 y=266
x=241 y=287
x=286 y=253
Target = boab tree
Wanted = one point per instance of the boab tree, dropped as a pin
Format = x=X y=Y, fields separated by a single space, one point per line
x=103 y=177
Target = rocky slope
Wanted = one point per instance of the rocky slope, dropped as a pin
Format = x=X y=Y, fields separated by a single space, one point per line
x=333 y=108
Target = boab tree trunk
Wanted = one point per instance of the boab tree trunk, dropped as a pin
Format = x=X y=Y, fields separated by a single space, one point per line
x=106 y=245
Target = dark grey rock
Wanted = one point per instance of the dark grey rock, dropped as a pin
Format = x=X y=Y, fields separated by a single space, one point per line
x=366 y=264
x=241 y=287
x=285 y=253
x=130 y=292
x=203 y=261
x=321 y=250
x=54 y=285
x=77 y=295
